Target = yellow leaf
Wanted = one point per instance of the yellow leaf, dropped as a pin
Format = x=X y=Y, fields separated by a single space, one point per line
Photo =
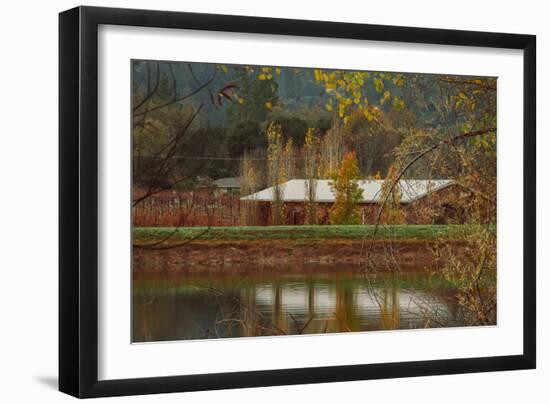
x=261 y=77
x=269 y=105
x=368 y=115
x=317 y=74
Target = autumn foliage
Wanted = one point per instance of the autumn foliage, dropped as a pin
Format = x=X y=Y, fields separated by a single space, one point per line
x=345 y=186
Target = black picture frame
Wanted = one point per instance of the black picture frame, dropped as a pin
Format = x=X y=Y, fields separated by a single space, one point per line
x=78 y=201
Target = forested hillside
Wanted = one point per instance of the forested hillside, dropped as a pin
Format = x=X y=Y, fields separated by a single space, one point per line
x=195 y=120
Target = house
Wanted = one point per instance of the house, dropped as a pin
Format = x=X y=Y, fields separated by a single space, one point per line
x=228 y=184
x=421 y=201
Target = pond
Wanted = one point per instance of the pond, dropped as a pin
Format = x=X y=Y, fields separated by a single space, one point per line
x=287 y=301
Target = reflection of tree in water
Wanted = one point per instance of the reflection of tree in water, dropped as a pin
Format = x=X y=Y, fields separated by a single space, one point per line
x=278 y=317
x=172 y=308
x=347 y=318
x=243 y=309
x=389 y=310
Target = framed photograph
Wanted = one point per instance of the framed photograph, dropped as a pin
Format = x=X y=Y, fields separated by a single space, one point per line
x=250 y=201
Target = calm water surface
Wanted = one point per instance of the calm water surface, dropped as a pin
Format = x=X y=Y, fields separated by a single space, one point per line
x=285 y=301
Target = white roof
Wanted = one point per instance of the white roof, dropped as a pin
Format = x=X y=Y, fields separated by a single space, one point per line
x=296 y=190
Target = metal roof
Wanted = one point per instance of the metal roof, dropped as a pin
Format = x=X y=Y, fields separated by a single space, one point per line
x=228 y=182
x=296 y=190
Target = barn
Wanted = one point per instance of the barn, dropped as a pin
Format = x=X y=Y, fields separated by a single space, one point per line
x=421 y=201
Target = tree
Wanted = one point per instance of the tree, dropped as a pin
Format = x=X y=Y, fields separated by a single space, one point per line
x=249 y=184
x=293 y=128
x=331 y=150
x=164 y=116
x=276 y=166
x=245 y=136
x=256 y=95
x=311 y=162
x=392 y=213
x=356 y=90
x=348 y=194
x=375 y=141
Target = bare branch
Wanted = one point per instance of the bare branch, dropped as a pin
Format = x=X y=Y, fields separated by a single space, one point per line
x=150 y=92
x=176 y=99
x=409 y=164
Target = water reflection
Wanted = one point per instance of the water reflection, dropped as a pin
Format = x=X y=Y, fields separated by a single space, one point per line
x=176 y=307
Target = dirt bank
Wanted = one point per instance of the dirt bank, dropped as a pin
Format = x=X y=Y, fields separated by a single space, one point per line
x=220 y=256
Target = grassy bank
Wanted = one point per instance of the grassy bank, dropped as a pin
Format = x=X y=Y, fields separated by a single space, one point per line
x=238 y=233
